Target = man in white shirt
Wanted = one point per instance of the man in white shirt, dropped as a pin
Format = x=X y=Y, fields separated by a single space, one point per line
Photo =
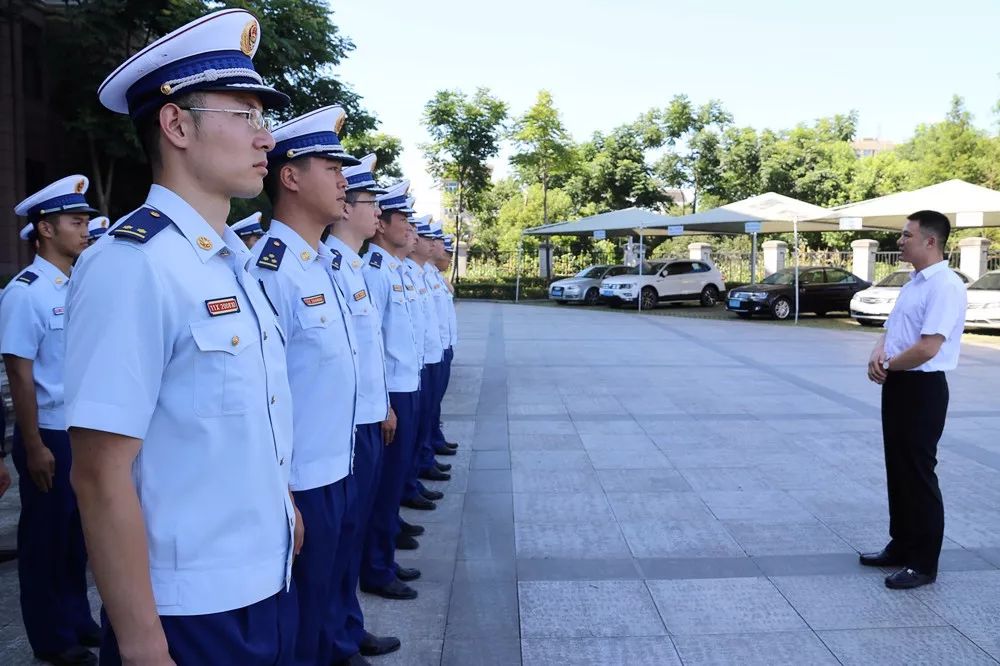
x=922 y=341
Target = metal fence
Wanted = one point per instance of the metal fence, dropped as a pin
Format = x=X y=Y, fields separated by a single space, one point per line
x=504 y=267
x=993 y=261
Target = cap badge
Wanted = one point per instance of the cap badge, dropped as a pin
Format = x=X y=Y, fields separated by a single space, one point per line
x=248 y=40
x=79 y=186
x=204 y=243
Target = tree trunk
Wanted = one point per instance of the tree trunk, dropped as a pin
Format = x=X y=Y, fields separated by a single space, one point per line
x=458 y=235
x=545 y=198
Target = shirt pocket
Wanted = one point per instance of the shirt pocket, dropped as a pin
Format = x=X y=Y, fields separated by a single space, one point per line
x=57 y=322
x=317 y=330
x=225 y=372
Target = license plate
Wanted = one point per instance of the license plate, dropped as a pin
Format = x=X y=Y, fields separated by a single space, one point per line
x=735 y=303
x=607 y=292
x=557 y=291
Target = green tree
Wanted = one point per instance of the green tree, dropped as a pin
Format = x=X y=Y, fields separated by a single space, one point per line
x=522 y=211
x=952 y=148
x=300 y=45
x=546 y=149
x=387 y=149
x=465 y=132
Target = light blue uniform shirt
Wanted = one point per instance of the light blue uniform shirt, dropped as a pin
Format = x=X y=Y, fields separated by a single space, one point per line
x=32 y=325
x=171 y=341
x=321 y=351
x=415 y=309
x=373 y=397
x=439 y=293
x=388 y=293
x=433 y=351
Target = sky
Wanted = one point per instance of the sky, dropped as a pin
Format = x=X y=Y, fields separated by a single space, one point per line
x=773 y=63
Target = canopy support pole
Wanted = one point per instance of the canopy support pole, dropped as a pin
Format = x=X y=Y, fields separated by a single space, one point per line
x=517 y=284
x=795 y=235
x=753 y=258
x=642 y=260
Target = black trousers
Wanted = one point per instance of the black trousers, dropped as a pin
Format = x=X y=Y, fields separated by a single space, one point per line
x=914 y=405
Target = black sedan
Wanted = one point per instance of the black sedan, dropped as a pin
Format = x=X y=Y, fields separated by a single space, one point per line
x=821 y=290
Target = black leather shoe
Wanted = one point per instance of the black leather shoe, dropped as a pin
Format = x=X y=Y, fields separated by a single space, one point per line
x=6 y=555
x=433 y=474
x=373 y=646
x=91 y=638
x=444 y=467
x=451 y=445
x=883 y=558
x=353 y=660
x=394 y=590
x=432 y=495
x=74 y=656
x=406 y=542
x=907 y=579
x=443 y=451
x=410 y=530
x=406 y=574
x=420 y=503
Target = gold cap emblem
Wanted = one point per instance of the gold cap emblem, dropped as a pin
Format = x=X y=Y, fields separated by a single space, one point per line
x=204 y=243
x=235 y=341
x=341 y=117
x=248 y=40
x=80 y=185
x=166 y=89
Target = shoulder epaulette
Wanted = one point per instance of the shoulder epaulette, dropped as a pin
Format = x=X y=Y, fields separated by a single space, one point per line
x=376 y=260
x=336 y=259
x=27 y=277
x=141 y=225
x=272 y=254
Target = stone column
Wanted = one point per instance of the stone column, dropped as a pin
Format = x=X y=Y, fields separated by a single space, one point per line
x=700 y=251
x=863 y=262
x=463 y=258
x=545 y=261
x=774 y=255
x=972 y=260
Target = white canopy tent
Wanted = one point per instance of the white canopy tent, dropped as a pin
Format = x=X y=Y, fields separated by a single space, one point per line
x=965 y=204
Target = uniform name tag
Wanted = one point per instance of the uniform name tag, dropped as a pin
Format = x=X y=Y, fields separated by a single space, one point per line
x=222 y=306
x=360 y=295
x=436 y=286
x=58 y=311
x=397 y=287
x=313 y=301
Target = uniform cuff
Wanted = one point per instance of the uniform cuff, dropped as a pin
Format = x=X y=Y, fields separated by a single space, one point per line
x=107 y=418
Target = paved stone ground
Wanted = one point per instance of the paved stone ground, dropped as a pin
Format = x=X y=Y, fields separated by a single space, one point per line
x=634 y=489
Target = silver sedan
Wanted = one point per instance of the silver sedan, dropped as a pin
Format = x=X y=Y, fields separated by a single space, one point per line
x=584 y=287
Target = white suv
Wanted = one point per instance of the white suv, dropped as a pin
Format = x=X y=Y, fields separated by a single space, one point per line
x=667 y=280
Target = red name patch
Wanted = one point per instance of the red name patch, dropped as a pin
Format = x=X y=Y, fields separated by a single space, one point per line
x=313 y=301
x=222 y=306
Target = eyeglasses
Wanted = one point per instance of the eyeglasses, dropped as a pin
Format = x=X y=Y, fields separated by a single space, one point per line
x=255 y=118
x=372 y=203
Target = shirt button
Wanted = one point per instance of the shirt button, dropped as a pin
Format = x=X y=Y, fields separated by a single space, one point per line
x=236 y=341
x=281 y=462
x=322 y=319
x=265 y=335
x=274 y=399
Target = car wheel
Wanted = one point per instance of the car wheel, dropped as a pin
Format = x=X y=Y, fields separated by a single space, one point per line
x=743 y=315
x=592 y=296
x=820 y=313
x=868 y=322
x=709 y=296
x=647 y=299
x=781 y=309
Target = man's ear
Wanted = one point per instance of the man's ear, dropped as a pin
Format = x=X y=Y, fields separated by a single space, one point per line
x=45 y=228
x=288 y=176
x=176 y=125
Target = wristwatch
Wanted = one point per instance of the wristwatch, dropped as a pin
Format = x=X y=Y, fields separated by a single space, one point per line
x=885 y=363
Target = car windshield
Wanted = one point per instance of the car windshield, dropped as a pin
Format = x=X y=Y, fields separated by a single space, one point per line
x=593 y=272
x=784 y=276
x=897 y=279
x=647 y=269
x=988 y=281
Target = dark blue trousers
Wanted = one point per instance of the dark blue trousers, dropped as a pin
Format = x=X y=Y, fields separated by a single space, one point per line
x=317 y=572
x=377 y=563
x=51 y=556
x=368 y=453
x=429 y=407
x=437 y=435
x=424 y=397
x=262 y=634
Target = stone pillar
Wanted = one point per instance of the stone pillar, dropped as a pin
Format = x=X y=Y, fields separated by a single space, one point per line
x=774 y=256
x=700 y=251
x=545 y=261
x=972 y=260
x=463 y=259
x=863 y=262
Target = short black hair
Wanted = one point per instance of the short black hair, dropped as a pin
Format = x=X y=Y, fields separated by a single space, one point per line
x=148 y=126
x=352 y=196
x=934 y=223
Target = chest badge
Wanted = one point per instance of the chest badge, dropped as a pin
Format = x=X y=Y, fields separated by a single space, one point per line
x=313 y=301
x=360 y=295
x=222 y=306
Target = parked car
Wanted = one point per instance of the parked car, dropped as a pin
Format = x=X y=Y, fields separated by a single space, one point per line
x=583 y=287
x=667 y=280
x=871 y=307
x=821 y=290
x=984 y=302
